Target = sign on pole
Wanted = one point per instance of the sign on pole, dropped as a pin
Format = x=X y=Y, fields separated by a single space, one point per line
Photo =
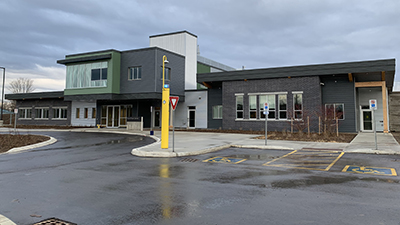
x=266 y=109
x=174 y=101
x=373 y=104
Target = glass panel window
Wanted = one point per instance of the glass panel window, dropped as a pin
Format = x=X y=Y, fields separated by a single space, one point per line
x=239 y=107
x=87 y=75
x=93 y=113
x=59 y=113
x=167 y=73
x=298 y=106
x=103 y=115
x=282 y=106
x=25 y=113
x=253 y=106
x=135 y=73
x=217 y=112
x=334 y=110
x=86 y=113
x=104 y=73
x=77 y=113
x=271 y=106
x=95 y=74
x=41 y=113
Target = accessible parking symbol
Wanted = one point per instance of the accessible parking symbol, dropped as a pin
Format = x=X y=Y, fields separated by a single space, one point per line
x=221 y=159
x=370 y=170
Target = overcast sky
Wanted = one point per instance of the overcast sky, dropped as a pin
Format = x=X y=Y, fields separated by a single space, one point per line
x=34 y=34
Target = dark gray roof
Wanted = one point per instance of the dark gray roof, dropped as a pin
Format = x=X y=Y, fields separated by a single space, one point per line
x=308 y=70
x=84 y=59
x=35 y=95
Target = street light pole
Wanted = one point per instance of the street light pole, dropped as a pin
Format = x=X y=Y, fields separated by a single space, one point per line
x=165 y=110
x=2 y=92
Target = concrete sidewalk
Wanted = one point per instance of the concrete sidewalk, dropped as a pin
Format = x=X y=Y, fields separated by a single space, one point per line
x=197 y=143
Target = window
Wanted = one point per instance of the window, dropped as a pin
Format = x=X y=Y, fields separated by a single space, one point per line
x=99 y=74
x=270 y=99
x=298 y=105
x=41 y=113
x=167 y=73
x=217 y=112
x=334 y=110
x=59 y=113
x=135 y=73
x=282 y=106
x=86 y=113
x=253 y=106
x=93 y=113
x=239 y=107
x=25 y=113
x=77 y=112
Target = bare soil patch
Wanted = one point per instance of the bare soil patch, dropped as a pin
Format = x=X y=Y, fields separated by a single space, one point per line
x=9 y=141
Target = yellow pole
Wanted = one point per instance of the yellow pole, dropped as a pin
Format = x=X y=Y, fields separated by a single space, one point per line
x=165 y=111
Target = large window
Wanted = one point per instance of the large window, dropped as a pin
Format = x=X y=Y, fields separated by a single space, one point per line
x=334 y=110
x=93 y=113
x=77 y=113
x=59 y=113
x=270 y=99
x=217 y=112
x=239 y=107
x=298 y=106
x=135 y=73
x=87 y=75
x=282 y=106
x=25 y=113
x=41 y=113
x=253 y=106
x=167 y=73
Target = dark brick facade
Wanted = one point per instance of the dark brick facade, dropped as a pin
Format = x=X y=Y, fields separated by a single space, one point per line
x=50 y=103
x=312 y=101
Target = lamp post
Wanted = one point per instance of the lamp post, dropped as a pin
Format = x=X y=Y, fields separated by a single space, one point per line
x=165 y=109
x=2 y=92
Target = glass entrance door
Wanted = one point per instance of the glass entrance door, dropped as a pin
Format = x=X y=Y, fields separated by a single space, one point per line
x=366 y=120
x=113 y=116
x=192 y=116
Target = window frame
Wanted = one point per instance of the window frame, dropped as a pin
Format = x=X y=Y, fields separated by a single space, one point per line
x=167 y=75
x=131 y=76
x=60 y=113
x=335 y=110
x=44 y=113
x=253 y=98
x=282 y=110
x=25 y=111
x=294 y=106
x=218 y=109
x=93 y=113
x=77 y=113
x=236 y=104
x=101 y=71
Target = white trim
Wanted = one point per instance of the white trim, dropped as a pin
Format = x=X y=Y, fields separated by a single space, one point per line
x=239 y=94
x=297 y=92
x=269 y=93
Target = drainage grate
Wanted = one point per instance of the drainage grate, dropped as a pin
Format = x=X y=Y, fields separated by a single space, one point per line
x=189 y=160
x=54 y=221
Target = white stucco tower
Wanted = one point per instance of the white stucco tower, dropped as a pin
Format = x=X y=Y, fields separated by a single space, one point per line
x=183 y=43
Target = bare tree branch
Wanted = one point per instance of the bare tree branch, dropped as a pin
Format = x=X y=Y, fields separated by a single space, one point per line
x=21 y=85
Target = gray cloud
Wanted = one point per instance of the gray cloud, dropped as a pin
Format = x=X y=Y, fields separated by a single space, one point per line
x=253 y=33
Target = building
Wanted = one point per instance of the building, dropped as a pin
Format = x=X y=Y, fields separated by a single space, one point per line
x=299 y=94
x=111 y=87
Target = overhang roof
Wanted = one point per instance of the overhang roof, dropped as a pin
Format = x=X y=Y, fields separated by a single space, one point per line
x=363 y=68
x=84 y=59
x=35 y=95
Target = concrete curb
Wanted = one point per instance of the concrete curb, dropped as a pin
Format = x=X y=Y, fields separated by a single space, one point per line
x=138 y=152
x=41 y=144
x=5 y=221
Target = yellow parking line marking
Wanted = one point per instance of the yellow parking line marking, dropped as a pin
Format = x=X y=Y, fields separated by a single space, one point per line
x=279 y=158
x=330 y=166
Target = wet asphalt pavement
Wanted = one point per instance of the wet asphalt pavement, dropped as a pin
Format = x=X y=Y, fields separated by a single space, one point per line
x=91 y=178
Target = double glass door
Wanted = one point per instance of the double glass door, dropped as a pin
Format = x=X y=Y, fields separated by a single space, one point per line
x=113 y=116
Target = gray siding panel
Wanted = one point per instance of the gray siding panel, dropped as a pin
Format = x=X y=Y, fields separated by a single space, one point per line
x=338 y=89
x=151 y=62
x=214 y=98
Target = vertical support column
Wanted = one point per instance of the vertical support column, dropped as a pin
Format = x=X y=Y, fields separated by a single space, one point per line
x=385 y=110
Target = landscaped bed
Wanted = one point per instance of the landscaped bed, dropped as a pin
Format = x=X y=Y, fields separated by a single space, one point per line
x=9 y=141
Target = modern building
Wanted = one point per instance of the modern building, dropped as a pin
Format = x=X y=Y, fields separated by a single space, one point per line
x=111 y=87
x=301 y=97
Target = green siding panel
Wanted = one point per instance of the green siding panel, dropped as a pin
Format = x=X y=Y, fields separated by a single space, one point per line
x=201 y=68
